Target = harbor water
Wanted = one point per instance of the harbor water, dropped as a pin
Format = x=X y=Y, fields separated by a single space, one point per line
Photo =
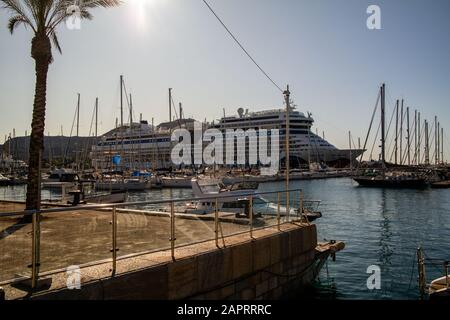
x=381 y=228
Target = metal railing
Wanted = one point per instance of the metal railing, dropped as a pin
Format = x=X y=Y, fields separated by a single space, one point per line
x=278 y=216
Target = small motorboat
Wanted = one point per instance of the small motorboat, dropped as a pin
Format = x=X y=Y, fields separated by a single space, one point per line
x=130 y=184
x=440 y=184
x=4 y=181
x=236 y=199
x=176 y=181
x=61 y=178
x=440 y=288
x=79 y=197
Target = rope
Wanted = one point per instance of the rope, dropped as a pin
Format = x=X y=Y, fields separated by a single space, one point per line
x=375 y=140
x=241 y=46
x=412 y=271
x=370 y=126
x=70 y=137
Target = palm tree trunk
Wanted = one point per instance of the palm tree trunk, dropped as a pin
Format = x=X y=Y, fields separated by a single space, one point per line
x=41 y=53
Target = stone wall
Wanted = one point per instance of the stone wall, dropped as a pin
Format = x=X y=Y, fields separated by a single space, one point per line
x=268 y=267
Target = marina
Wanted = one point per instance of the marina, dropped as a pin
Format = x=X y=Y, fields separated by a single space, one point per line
x=370 y=221
x=224 y=151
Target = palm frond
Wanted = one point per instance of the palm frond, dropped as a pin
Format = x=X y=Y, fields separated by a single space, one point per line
x=54 y=39
x=15 y=7
x=15 y=21
x=60 y=7
x=43 y=16
x=85 y=14
x=100 y=3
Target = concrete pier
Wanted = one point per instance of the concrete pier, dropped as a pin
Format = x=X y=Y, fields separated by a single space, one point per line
x=271 y=264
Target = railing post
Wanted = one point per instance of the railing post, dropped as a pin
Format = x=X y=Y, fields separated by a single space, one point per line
x=301 y=203
x=421 y=271
x=216 y=223
x=35 y=249
x=278 y=210
x=251 y=215
x=172 y=230
x=63 y=193
x=114 y=241
x=287 y=206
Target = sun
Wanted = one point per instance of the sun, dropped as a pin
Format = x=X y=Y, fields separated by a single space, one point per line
x=141 y=9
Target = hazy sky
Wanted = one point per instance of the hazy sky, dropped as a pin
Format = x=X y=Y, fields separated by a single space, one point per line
x=322 y=48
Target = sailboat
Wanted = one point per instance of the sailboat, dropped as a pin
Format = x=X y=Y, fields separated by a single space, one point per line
x=384 y=178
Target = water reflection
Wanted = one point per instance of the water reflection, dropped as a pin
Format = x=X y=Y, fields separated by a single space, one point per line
x=385 y=243
x=379 y=227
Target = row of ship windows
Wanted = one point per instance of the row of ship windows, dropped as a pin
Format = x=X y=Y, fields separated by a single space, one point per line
x=298 y=124
x=111 y=143
x=271 y=118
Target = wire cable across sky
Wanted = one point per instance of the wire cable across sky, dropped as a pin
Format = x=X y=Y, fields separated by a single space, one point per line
x=241 y=46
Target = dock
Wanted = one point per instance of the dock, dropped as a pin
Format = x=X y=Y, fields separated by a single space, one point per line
x=265 y=261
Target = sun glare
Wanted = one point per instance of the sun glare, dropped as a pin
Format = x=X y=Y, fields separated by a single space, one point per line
x=141 y=10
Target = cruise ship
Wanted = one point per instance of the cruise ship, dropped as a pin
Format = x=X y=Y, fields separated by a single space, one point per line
x=305 y=146
x=140 y=146
x=143 y=146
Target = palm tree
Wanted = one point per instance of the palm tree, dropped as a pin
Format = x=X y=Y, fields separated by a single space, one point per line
x=43 y=17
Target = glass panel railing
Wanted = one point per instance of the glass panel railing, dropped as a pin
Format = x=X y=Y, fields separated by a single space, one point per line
x=15 y=245
x=142 y=230
x=74 y=238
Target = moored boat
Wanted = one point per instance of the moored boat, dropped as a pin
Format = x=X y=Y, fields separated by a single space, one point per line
x=399 y=181
x=4 y=181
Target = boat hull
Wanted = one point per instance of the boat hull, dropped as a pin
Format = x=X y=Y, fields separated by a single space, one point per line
x=135 y=186
x=390 y=183
x=115 y=197
x=176 y=182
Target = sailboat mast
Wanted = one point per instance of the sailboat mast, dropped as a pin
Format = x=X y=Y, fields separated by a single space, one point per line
x=96 y=117
x=170 y=105
x=131 y=111
x=442 y=145
x=383 y=129
x=427 y=145
x=435 y=140
x=396 y=132
x=350 y=146
x=419 y=140
x=287 y=151
x=408 y=140
x=78 y=114
x=415 y=137
x=121 y=100
x=438 y=143
x=401 y=133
